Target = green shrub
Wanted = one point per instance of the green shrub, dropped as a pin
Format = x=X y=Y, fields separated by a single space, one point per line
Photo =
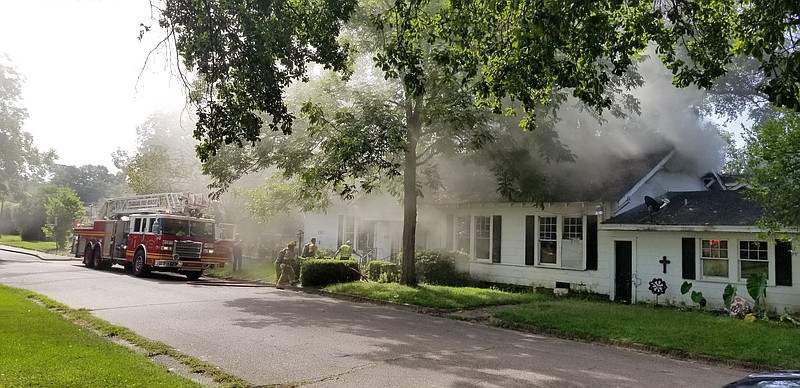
x=382 y=271
x=321 y=272
x=439 y=267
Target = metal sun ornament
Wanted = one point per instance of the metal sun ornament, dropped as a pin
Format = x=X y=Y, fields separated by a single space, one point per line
x=658 y=287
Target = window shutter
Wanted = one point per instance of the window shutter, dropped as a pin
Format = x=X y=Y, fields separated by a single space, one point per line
x=530 y=239
x=783 y=263
x=450 y=232
x=688 y=250
x=591 y=243
x=497 y=233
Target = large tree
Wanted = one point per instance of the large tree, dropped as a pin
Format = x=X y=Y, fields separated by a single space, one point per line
x=20 y=160
x=526 y=51
x=90 y=182
x=165 y=159
x=63 y=207
x=773 y=170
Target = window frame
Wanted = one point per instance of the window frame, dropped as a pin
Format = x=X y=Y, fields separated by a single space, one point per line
x=462 y=227
x=709 y=256
x=741 y=260
x=481 y=224
x=555 y=239
x=568 y=229
x=470 y=224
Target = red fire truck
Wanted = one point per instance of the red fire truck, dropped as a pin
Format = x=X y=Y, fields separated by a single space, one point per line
x=156 y=232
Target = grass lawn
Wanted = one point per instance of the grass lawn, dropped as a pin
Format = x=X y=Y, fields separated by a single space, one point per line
x=42 y=348
x=668 y=330
x=254 y=271
x=439 y=297
x=41 y=246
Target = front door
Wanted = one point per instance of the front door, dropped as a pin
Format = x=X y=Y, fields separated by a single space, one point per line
x=623 y=272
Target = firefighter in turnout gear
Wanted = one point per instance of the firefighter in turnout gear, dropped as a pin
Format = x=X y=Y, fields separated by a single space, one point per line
x=346 y=251
x=310 y=249
x=287 y=266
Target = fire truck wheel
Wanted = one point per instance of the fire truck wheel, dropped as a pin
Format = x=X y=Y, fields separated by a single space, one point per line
x=193 y=275
x=88 y=260
x=97 y=257
x=140 y=267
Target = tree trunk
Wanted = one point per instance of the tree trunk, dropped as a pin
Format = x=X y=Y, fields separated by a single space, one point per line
x=408 y=275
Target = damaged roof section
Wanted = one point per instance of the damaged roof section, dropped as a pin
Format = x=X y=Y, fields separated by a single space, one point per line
x=706 y=208
x=583 y=180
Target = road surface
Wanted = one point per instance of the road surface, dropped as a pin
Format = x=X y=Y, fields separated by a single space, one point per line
x=268 y=336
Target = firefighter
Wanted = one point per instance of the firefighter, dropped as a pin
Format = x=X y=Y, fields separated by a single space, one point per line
x=237 y=253
x=285 y=266
x=346 y=251
x=310 y=249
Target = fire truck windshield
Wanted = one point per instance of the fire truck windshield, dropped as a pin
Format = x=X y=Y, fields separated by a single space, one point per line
x=187 y=228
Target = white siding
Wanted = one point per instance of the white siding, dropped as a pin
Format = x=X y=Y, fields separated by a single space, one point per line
x=652 y=246
x=512 y=268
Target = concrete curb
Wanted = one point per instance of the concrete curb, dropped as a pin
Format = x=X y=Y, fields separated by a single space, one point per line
x=37 y=254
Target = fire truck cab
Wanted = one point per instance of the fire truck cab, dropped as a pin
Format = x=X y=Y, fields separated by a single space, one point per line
x=158 y=232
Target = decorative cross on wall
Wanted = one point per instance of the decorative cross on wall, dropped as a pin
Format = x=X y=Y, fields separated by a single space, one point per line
x=664 y=261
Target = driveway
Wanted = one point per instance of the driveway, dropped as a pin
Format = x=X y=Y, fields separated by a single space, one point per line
x=268 y=336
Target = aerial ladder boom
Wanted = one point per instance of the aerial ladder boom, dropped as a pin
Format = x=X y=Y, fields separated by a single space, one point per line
x=174 y=203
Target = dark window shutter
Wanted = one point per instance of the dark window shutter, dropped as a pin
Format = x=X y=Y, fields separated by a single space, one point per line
x=497 y=232
x=688 y=262
x=783 y=263
x=450 y=232
x=530 y=239
x=591 y=243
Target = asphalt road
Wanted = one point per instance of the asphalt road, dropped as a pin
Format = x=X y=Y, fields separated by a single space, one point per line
x=268 y=336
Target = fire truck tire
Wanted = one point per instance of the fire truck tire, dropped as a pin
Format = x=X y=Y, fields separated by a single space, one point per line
x=193 y=275
x=97 y=257
x=88 y=260
x=140 y=267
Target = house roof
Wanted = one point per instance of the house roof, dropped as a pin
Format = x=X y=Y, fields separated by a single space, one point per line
x=581 y=181
x=706 y=208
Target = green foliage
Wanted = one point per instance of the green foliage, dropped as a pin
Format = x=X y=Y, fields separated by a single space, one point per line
x=697 y=298
x=382 y=271
x=773 y=171
x=31 y=215
x=90 y=182
x=165 y=159
x=7 y=218
x=41 y=246
x=685 y=287
x=40 y=349
x=20 y=160
x=246 y=55
x=728 y=294
x=440 y=297
x=675 y=332
x=757 y=288
x=63 y=208
x=438 y=267
x=321 y=272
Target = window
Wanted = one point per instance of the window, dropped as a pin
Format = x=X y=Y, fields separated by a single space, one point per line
x=714 y=257
x=573 y=228
x=137 y=225
x=462 y=234
x=753 y=258
x=572 y=242
x=482 y=237
x=548 y=233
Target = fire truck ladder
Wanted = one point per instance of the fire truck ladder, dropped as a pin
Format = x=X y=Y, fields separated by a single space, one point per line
x=175 y=203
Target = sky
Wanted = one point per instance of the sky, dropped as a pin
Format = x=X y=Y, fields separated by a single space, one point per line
x=84 y=84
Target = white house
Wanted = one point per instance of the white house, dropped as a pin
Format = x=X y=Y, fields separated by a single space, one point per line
x=707 y=238
x=599 y=238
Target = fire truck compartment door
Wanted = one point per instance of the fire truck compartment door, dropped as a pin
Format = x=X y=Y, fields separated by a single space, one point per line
x=107 y=244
